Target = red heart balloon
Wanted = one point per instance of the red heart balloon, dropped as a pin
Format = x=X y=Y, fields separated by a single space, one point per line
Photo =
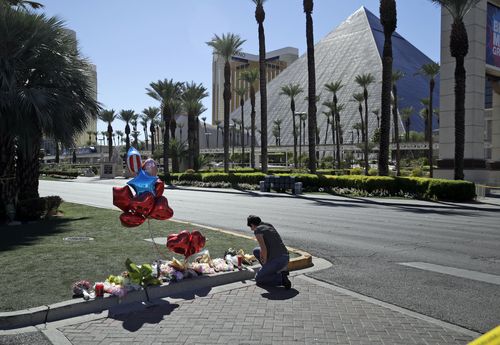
x=161 y=210
x=142 y=204
x=159 y=188
x=185 y=243
x=122 y=197
x=179 y=243
x=131 y=220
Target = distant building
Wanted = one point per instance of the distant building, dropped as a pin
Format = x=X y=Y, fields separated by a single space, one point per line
x=276 y=62
x=355 y=47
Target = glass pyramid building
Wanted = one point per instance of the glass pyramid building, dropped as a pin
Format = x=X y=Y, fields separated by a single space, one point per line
x=354 y=47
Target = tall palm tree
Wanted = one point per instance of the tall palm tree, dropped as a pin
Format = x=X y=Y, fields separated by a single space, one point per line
x=126 y=116
x=430 y=70
x=104 y=136
x=396 y=76
x=151 y=114
x=175 y=108
x=191 y=100
x=358 y=127
x=22 y=4
x=334 y=88
x=376 y=112
x=241 y=92
x=292 y=91
x=168 y=93
x=311 y=74
x=144 y=123
x=120 y=137
x=217 y=123
x=406 y=118
x=226 y=46
x=108 y=116
x=260 y=16
x=276 y=135
x=338 y=132
x=459 y=48
x=278 y=123
x=364 y=80
x=360 y=98
x=388 y=19
x=135 y=132
x=44 y=91
x=424 y=114
x=248 y=128
x=250 y=77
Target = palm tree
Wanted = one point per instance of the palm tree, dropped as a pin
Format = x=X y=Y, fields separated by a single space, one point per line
x=126 y=116
x=260 y=16
x=108 y=116
x=327 y=114
x=396 y=76
x=226 y=46
x=217 y=123
x=376 y=112
x=104 y=136
x=311 y=72
x=360 y=98
x=292 y=91
x=120 y=137
x=241 y=92
x=45 y=91
x=338 y=132
x=388 y=19
x=334 y=88
x=406 y=118
x=278 y=123
x=22 y=4
x=135 y=132
x=191 y=100
x=276 y=135
x=459 y=48
x=424 y=114
x=151 y=115
x=248 y=128
x=364 y=80
x=235 y=125
x=430 y=70
x=144 y=124
x=168 y=93
x=180 y=125
x=358 y=127
x=250 y=76
x=204 y=119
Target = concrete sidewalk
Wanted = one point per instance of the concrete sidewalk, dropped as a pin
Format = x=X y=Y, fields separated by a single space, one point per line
x=312 y=312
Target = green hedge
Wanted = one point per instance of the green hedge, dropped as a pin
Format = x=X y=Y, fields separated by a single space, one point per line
x=72 y=173
x=420 y=187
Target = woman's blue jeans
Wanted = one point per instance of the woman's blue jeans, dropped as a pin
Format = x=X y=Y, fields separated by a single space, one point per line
x=270 y=273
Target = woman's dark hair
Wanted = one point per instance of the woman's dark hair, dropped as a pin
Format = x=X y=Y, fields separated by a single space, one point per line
x=253 y=220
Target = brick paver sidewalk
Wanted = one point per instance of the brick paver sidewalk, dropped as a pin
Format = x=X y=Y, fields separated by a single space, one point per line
x=311 y=313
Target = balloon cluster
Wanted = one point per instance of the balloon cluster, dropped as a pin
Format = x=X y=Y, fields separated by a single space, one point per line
x=148 y=201
x=186 y=243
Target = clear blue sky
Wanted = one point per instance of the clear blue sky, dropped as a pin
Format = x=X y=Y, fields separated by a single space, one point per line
x=136 y=42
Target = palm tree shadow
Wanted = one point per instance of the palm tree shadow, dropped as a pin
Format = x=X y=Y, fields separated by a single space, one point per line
x=27 y=234
x=189 y=295
x=154 y=314
x=275 y=293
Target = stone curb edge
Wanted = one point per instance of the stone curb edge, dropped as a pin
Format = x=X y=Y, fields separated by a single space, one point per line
x=77 y=307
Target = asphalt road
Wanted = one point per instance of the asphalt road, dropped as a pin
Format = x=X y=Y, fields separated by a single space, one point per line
x=366 y=239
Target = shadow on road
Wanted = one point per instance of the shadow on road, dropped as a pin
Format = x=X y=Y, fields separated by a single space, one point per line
x=154 y=314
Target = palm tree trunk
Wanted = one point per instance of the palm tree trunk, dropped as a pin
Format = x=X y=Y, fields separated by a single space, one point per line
x=295 y=158
x=396 y=128
x=110 y=142
x=252 y=129
x=57 y=151
x=334 y=140
x=326 y=137
x=338 y=136
x=460 y=78
x=27 y=168
x=7 y=173
x=166 y=140
x=242 y=134
x=263 y=97
x=367 y=164
x=173 y=126
x=151 y=129
x=227 y=98
x=385 y=121
x=127 y=137
x=311 y=69
x=191 y=134
x=429 y=120
x=196 y=151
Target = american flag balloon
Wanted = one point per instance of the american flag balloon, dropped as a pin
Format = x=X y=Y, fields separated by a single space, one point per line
x=133 y=160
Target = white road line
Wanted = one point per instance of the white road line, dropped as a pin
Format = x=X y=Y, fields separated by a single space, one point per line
x=457 y=272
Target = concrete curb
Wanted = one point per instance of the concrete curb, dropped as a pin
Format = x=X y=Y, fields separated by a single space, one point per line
x=79 y=307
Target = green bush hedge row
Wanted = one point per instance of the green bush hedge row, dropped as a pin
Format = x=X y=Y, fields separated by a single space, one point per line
x=72 y=173
x=419 y=187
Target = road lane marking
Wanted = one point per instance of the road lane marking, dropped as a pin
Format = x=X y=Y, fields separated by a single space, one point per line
x=457 y=272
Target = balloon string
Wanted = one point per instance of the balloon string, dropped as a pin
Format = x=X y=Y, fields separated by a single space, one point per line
x=154 y=243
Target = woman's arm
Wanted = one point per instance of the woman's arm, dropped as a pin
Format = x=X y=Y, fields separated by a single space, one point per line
x=263 y=248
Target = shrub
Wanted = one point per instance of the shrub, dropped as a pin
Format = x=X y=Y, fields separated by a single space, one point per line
x=53 y=203
x=417 y=172
x=189 y=176
x=450 y=190
x=356 y=171
x=372 y=172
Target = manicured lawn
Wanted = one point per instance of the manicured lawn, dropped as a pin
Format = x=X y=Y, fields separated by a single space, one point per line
x=38 y=267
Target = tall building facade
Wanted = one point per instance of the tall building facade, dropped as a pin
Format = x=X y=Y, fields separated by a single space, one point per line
x=482 y=99
x=276 y=62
